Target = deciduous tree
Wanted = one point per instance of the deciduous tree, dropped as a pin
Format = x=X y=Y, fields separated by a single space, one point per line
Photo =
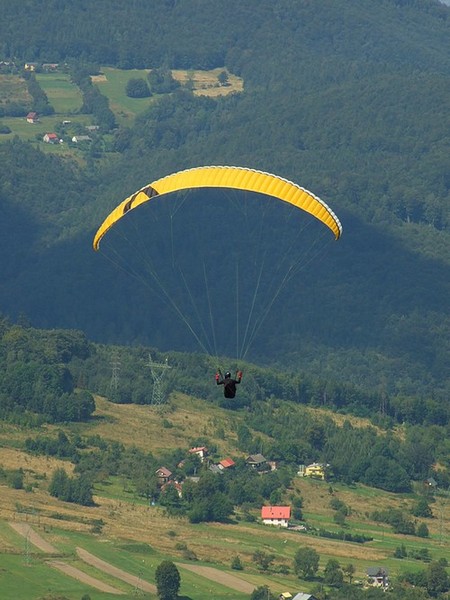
x=168 y=580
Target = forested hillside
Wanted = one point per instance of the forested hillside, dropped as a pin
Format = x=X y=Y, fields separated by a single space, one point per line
x=348 y=98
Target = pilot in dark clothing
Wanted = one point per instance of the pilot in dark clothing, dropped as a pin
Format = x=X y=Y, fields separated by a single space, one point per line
x=229 y=384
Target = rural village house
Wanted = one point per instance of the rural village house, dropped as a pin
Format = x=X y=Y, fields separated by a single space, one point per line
x=51 y=138
x=317 y=470
x=430 y=483
x=377 y=577
x=178 y=486
x=257 y=461
x=80 y=138
x=201 y=452
x=163 y=475
x=226 y=463
x=50 y=66
x=276 y=515
x=32 y=117
x=299 y=596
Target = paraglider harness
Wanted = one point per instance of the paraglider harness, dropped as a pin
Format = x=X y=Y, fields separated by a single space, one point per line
x=229 y=384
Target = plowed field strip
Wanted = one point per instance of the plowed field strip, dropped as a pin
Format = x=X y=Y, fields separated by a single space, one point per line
x=226 y=579
x=83 y=577
x=102 y=565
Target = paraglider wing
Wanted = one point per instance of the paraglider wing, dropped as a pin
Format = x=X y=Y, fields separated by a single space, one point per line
x=225 y=177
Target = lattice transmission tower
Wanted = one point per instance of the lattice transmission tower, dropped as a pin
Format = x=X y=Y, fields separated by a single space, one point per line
x=115 y=368
x=158 y=371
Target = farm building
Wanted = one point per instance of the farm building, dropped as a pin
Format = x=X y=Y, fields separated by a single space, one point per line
x=276 y=515
x=377 y=577
x=32 y=117
x=51 y=138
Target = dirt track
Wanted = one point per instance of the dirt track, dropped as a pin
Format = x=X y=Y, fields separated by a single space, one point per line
x=83 y=577
x=226 y=579
x=100 y=564
x=38 y=541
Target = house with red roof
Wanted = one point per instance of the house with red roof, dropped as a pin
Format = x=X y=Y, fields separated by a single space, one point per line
x=32 y=117
x=226 y=463
x=51 y=138
x=276 y=515
x=175 y=484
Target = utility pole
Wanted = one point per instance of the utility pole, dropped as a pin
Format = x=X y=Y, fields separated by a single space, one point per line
x=442 y=507
x=158 y=370
x=137 y=588
x=27 y=547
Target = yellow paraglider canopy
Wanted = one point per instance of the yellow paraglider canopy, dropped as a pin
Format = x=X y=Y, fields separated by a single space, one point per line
x=238 y=178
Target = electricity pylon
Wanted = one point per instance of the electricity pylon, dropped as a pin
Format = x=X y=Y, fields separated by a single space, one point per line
x=158 y=370
x=115 y=365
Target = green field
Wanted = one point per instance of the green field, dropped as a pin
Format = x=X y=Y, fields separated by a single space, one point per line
x=63 y=95
x=112 y=83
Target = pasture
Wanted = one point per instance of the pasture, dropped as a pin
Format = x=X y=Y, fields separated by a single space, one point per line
x=63 y=95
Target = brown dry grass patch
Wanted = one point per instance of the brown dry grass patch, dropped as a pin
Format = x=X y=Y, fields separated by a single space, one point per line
x=206 y=83
x=161 y=428
x=13 y=89
x=11 y=458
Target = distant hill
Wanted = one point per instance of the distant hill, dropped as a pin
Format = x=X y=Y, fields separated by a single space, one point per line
x=346 y=98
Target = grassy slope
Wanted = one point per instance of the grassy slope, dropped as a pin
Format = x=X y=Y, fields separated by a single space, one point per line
x=128 y=520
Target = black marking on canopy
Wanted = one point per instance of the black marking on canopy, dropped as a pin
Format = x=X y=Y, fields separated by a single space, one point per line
x=148 y=191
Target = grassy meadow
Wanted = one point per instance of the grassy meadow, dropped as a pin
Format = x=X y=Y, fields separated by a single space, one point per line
x=63 y=95
x=112 y=83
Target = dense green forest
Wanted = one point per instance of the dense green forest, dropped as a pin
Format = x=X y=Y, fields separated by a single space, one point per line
x=349 y=99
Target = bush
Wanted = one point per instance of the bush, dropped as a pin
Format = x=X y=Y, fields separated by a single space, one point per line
x=422 y=531
x=236 y=564
x=137 y=88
